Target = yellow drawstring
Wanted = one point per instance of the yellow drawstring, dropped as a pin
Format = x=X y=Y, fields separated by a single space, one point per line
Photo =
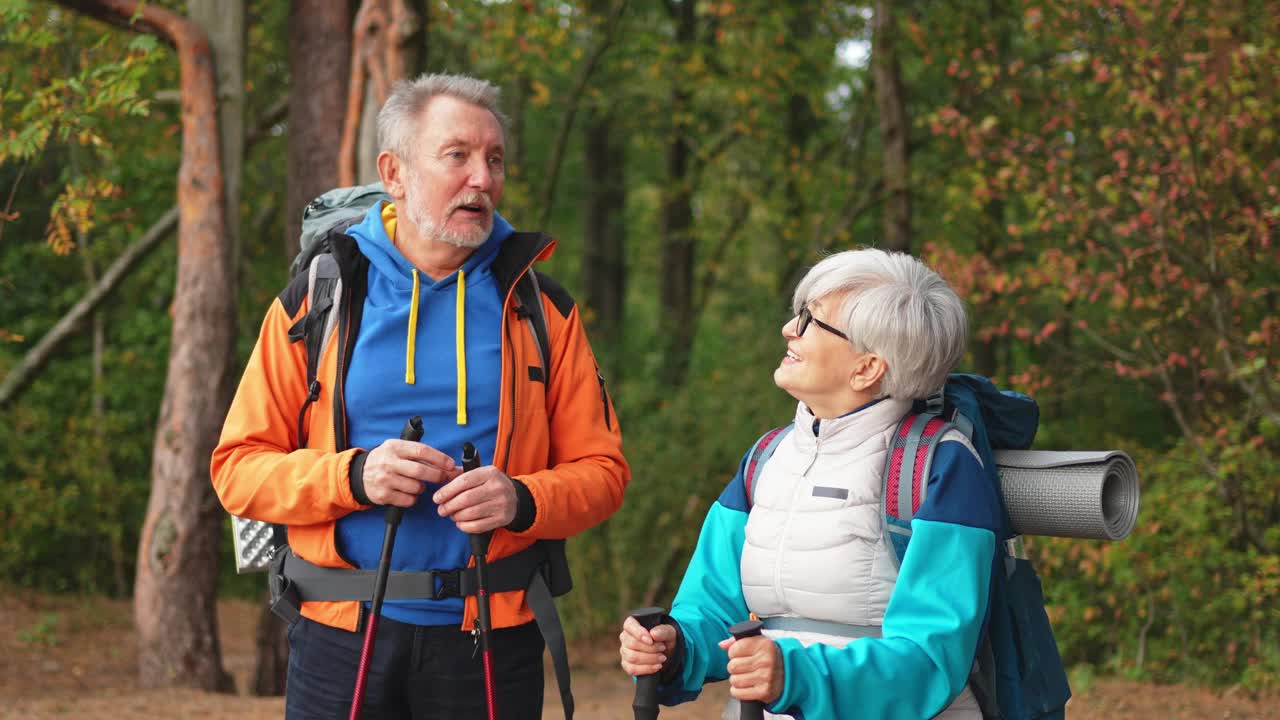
x=413 y=332
x=462 y=347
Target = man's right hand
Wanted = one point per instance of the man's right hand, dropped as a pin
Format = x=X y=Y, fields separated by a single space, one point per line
x=395 y=471
x=644 y=651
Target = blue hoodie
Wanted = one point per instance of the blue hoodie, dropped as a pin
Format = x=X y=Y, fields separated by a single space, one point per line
x=400 y=369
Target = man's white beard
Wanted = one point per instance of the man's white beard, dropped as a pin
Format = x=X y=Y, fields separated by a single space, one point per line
x=472 y=237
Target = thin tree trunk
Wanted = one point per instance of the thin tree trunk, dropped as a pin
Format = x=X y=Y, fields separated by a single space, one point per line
x=893 y=129
x=675 y=287
x=319 y=37
x=224 y=22
x=175 y=591
x=604 y=238
x=800 y=125
x=518 y=102
x=551 y=178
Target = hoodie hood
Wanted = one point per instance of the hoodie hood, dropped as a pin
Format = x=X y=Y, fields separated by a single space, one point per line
x=373 y=236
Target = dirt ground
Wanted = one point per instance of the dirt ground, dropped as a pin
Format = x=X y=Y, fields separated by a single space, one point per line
x=72 y=658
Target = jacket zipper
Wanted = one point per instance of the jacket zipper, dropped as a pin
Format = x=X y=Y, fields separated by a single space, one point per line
x=604 y=398
x=339 y=381
x=511 y=354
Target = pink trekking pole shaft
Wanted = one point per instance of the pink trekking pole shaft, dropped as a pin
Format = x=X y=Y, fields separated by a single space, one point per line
x=412 y=431
x=480 y=551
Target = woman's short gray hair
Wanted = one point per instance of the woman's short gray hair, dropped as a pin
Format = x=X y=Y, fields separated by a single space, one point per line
x=897 y=307
x=398 y=118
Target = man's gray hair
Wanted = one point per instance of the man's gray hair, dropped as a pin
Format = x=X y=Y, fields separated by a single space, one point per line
x=398 y=118
x=898 y=308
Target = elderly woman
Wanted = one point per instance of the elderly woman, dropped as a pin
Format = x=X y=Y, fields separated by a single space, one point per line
x=848 y=633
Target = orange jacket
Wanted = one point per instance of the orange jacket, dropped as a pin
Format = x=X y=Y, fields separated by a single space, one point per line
x=561 y=440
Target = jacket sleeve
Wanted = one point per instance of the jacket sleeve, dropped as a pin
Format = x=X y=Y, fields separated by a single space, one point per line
x=934 y=619
x=587 y=474
x=710 y=596
x=258 y=470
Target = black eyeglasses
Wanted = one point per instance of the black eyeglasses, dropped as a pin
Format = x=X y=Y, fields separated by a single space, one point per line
x=806 y=317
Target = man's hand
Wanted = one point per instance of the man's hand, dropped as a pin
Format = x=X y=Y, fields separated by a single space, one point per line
x=755 y=668
x=644 y=651
x=395 y=471
x=478 y=501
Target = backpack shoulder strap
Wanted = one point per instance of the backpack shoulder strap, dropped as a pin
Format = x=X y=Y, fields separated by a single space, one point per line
x=530 y=295
x=760 y=454
x=324 y=292
x=905 y=480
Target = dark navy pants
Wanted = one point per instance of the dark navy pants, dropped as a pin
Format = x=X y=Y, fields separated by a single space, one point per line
x=417 y=672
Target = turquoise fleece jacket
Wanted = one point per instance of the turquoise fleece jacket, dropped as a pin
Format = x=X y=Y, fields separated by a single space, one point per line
x=932 y=625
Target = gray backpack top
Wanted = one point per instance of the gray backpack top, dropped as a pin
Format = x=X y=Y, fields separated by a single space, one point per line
x=338 y=208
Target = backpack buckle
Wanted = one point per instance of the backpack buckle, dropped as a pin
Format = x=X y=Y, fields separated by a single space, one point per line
x=934 y=404
x=450 y=585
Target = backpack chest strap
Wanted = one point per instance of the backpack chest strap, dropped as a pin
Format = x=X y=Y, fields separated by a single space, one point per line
x=821 y=627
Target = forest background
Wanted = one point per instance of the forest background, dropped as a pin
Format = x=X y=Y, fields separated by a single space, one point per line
x=1098 y=179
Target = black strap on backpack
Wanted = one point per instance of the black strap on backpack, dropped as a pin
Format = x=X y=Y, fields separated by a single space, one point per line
x=324 y=292
x=530 y=296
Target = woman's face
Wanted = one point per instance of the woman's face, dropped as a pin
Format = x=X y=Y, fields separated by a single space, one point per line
x=818 y=367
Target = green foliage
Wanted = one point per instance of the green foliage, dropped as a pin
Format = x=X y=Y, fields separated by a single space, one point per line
x=1185 y=597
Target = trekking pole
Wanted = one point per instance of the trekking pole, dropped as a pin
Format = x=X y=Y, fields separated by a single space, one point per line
x=479 y=550
x=412 y=431
x=751 y=709
x=645 y=704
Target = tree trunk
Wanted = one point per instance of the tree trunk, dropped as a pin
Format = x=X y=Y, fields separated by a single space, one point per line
x=604 y=238
x=800 y=125
x=175 y=591
x=893 y=129
x=385 y=48
x=603 y=39
x=224 y=21
x=675 y=287
x=319 y=37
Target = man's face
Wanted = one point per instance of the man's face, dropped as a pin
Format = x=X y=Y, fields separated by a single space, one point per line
x=454 y=177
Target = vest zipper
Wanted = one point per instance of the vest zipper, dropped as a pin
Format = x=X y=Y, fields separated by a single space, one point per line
x=786 y=528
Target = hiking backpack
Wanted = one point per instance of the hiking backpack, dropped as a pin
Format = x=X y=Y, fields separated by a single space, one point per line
x=1019 y=674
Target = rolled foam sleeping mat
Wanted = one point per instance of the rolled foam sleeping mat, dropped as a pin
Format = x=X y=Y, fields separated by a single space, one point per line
x=1091 y=494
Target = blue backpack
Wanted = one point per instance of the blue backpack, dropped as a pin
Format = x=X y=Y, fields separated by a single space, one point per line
x=1019 y=674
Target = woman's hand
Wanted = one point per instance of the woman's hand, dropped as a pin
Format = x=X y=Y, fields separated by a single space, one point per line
x=644 y=651
x=755 y=668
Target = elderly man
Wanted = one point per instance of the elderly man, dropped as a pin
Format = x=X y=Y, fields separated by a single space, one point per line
x=430 y=323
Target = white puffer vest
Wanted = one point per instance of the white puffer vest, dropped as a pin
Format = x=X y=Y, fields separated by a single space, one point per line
x=815 y=545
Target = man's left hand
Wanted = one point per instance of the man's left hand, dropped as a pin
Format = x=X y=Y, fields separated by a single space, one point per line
x=755 y=668
x=479 y=500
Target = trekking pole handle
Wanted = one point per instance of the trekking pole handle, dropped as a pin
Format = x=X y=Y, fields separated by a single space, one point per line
x=471 y=461
x=645 y=704
x=751 y=709
x=413 y=432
